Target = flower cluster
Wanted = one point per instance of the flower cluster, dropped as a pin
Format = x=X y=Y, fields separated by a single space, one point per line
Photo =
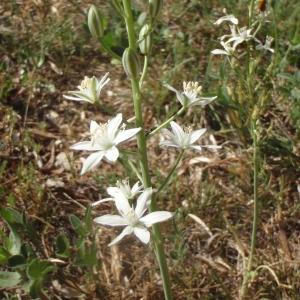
x=237 y=36
x=103 y=143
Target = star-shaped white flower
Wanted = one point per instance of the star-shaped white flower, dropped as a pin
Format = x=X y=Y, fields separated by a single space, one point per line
x=228 y=50
x=133 y=218
x=191 y=94
x=266 y=46
x=239 y=35
x=178 y=138
x=229 y=18
x=122 y=188
x=104 y=141
x=89 y=89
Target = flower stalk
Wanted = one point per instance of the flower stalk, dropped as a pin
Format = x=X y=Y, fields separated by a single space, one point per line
x=255 y=211
x=167 y=179
x=142 y=148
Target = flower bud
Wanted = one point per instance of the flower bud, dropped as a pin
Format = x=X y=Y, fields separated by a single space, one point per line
x=95 y=22
x=131 y=63
x=155 y=6
x=145 y=40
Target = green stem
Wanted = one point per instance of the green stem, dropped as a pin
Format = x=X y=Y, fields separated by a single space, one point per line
x=167 y=122
x=142 y=148
x=255 y=211
x=171 y=172
x=251 y=11
x=145 y=67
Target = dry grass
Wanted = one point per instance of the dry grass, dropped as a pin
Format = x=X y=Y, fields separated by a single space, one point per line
x=39 y=174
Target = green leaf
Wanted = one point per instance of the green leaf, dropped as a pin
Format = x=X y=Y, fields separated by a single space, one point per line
x=35 y=288
x=16 y=261
x=87 y=255
x=88 y=220
x=62 y=246
x=77 y=225
x=39 y=268
x=9 y=279
x=4 y=255
x=11 y=216
x=13 y=243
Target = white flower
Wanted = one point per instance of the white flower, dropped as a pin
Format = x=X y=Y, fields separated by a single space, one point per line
x=238 y=36
x=89 y=89
x=229 y=18
x=181 y=139
x=191 y=94
x=266 y=46
x=104 y=139
x=123 y=188
x=228 y=50
x=132 y=218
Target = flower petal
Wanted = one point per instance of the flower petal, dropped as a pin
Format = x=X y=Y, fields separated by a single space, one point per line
x=113 y=191
x=122 y=204
x=85 y=146
x=230 y=18
x=126 y=135
x=196 y=147
x=142 y=201
x=127 y=230
x=204 y=101
x=113 y=125
x=168 y=144
x=91 y=161
x=195 y=135
x=171 y=88
x=111 y=220
x=112 y=154
x=136 y=188
x=177 y=130
x=94 y=126
x=219 y=52
x=156 y=217
x=94 y=204
x=142 y=233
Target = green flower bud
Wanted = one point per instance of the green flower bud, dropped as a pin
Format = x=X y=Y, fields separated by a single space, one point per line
x=131 y=63
x=145 y=40
x=155 y=7
x=95 y=22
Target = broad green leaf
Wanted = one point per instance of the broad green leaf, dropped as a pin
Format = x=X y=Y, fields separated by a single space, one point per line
x=62 y=246
x=4 y=255
x=39 y=268
x=13 y=243
x=9 y=279
x=16 y=261
x=11 y=216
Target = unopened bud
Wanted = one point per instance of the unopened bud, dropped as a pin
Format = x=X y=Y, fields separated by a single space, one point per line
x=262 y=5
x=155 y=7
x=145 y=40
x=131 y=63
x=95 y=22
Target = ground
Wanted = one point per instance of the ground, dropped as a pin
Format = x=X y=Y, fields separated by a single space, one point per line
x=46 y=50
